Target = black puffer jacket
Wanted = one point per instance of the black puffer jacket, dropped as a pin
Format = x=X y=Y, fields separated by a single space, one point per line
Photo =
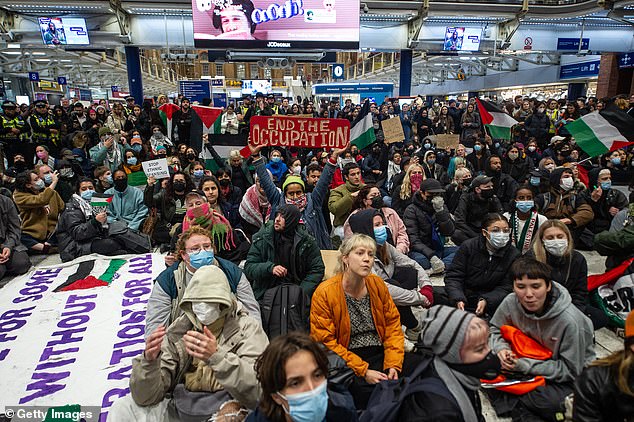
x=75 y=232
x=504 y=186
x=517 y=169
x=418 y=219
x=475 y=274
x=472 y=210
x=602 y=217
x=597 y=398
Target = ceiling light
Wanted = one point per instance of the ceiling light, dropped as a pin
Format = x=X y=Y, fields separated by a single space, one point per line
x=13 y=45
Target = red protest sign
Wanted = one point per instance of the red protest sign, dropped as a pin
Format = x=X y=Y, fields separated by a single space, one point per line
x=301 y=132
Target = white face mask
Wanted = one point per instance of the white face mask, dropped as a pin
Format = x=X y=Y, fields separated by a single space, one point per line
x=206 y=312
x=556 y=247
x=297 y=169
x=567 y=183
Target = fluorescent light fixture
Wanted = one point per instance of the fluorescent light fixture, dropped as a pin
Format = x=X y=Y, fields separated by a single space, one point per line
x=13 y=45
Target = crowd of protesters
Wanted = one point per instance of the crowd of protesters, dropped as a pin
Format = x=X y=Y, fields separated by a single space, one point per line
x=502 y=219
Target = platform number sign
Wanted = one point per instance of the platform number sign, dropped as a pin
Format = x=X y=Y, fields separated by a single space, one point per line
x=337 y=71
x=34 y=76
x=61 y=80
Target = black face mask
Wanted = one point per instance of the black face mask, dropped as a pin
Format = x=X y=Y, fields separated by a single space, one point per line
x=179 y=186
x=19 y=165
x=121 y=184
x=224 y=182
x=488 y=368
x=377 y=202
x=565 y=153
x=191 y=156
x=487 y=194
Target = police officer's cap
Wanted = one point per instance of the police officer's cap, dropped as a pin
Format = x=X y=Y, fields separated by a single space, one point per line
x=270 y=97
x=39 y=103
x=8 y=104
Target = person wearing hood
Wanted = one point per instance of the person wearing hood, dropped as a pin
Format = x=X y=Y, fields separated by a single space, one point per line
x=340 y=199
x=434 y=170
x=423 y=123
x=68 y=179
x=516 y=164
x=473 y=207
x=158 y=139
x=541 y=309
x=374 y=165
x=207 y=355
x=310 y=204
x=478 y=158
x=255 y=208
x=194 y=250
x=458 y=343
x=504 y=185
x=605 y=201
x=108 y=152
x=127 y=202
x=477 y=279
x=428 y=224
x=284 y=252
x=407 y=282
x=537 y=124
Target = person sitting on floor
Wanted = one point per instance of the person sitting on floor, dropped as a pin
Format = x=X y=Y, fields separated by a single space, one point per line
x=473 y=208
x=127 y=202
x=13 y=257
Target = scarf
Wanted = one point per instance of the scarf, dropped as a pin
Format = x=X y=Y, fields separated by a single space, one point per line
x=525 y=239
x=83 y=205
x=218 y=226
x=201 y=376
x=113 y=155
x=353 y=188
x=454 y=381
x=252 y=205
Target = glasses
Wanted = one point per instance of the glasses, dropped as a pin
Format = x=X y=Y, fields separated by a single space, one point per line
x=207 y=247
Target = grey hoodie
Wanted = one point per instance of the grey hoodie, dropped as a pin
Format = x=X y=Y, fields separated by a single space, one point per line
x=563 y=329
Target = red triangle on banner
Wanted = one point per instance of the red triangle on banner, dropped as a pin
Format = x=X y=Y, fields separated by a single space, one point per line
x=169 y=109
x=207 y=114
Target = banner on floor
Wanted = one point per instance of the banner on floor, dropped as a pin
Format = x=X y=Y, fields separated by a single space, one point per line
x=69 y=333
x=301 y=132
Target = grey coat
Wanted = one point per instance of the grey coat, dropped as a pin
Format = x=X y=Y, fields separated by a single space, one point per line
x=10 y=226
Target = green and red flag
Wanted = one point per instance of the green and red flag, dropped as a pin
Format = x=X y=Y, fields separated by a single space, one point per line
x=497 y=121
x=602 y=131
x=166 y=111
x=362 y=128
x=211 y=118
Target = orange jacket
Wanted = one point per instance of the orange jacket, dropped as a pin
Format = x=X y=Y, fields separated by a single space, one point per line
x=330 y=322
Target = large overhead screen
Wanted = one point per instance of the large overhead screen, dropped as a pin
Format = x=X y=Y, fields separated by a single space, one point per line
x=462 y=39
x=64 y=31
x=276 y=24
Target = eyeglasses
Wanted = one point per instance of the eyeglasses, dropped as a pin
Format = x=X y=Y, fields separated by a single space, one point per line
x=207 y=247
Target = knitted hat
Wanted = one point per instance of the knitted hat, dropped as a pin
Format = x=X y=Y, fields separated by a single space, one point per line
x=444 y=331
x=293 y=179
x=104 y=130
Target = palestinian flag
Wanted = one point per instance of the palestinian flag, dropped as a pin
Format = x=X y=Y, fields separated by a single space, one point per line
x=211 y=118
x=602 y=131
x=166 y=112
x=100 y=202
x=362 y=129
x=498 y=122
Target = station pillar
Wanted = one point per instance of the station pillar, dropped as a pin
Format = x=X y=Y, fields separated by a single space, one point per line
x=612 y=79
x=135 y=80
x=405 y=81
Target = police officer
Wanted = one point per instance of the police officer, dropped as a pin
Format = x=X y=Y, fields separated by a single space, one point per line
x=129 y=105
x=244 y=113
x=14 y=132
x=45 y=130
x=270 y=99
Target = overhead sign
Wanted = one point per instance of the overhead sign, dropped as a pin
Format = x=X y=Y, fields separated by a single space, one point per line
x=85 y=94
x=299 y=132
x=626 y=60
x=348 y=88
x=337 y=71
x=528 y=43
x=218 y=82
x=579 y=70
x=61 y=80
x=572 y=44
x=114 y=88
x=219 y=99
x=34 y=76
x=195 y=90
x=50 y=86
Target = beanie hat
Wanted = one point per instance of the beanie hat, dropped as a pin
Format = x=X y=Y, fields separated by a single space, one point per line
x=293 y=179
x=104 y=130
x=444 y=331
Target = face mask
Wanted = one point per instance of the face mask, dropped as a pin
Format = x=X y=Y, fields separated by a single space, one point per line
x=310 y=406
x=427 y=146
x=565 y=153
x=513 y=155
x=66 y=172
x=39 y=185
x=207 y=313
x=431 y=161
x=224 y=182
x=487 y=193
x=191 y=156
x=541 y=109
x=477 y=147
x=532 y=149
x=567 y=183
x=276 y=159
x=616 y=161
x=606 y=185
x=179 y=186
x=497 y=145
x=109 y=179
x=488 y=368
x=176 y=167
x=380 y=235
x=199 y=173
x=549 y=167
x=297 y=169
x=87 y=194
x=416 y=180
x=525 y=206
x=19 y=165
x=299 y=202
x=131 y=161
x=137 y=147
x=377 y=202
x=535 y=180
x=121 y=185
x=556 y=247
x=41 y=155
x=48 y=179
x=201 y=258
x=498 y=239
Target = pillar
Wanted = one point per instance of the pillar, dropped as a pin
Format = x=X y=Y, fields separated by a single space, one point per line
x=135 y=81
x=405 y=81
x=608 y=81
x=576 y=90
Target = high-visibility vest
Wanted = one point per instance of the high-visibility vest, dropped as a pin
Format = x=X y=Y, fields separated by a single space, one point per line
x=45 y=122
x=16 y=122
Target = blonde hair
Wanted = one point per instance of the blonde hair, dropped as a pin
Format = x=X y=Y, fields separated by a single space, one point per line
x=538 y=246
x=621 y=363
x=355 y=241
x=457 y=177
x=406 y=186
x=234 y=153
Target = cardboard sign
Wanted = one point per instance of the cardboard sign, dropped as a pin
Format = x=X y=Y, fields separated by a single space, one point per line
x=393 y=130
x=156 y=168
x=299 y=132
x=330 y=259
x=445 y=140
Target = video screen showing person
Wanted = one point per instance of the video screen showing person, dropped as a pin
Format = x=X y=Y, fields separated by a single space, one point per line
x=453 y=39
x=52 y=31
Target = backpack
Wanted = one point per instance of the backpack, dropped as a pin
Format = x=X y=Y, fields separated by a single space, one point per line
x=285 y=308
x=387 y=399
x=548 y=200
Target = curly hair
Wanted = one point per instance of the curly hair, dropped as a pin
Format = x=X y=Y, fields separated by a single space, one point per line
x=186 y=235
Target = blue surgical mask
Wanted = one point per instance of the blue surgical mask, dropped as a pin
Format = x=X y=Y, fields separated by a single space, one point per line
x=498 y=239
x=535 y=180
x=525 y=206
x=310 y=406
x=477 y=147
x=199 y=173
x=276 y=159
x=201 y=258
x=497 y=145
x=427 y=146
x=131 y=161
x=431 y=161
x=87 y=194
x=616 y=161
x=137 y=147
x=606 y=185
x=380 y=235
x=48 y=179
x=109 y=179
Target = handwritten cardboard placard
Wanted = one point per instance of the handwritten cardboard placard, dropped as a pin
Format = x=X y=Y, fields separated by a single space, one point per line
x=445 y=140
x=393 y=130
x=156 y=168
x=301 y=132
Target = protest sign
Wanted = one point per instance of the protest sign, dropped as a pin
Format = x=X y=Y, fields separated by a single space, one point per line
x=299 y=132
x=156 y=168
x=69 y=332
x=445 y=140
x=392 y=130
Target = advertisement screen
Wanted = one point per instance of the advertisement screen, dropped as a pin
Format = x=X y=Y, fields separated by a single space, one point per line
x=276 y=24
x=64 y=31
x=253 y=86
x=462 y=39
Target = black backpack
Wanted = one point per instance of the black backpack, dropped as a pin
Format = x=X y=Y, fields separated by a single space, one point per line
x=285 y=308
